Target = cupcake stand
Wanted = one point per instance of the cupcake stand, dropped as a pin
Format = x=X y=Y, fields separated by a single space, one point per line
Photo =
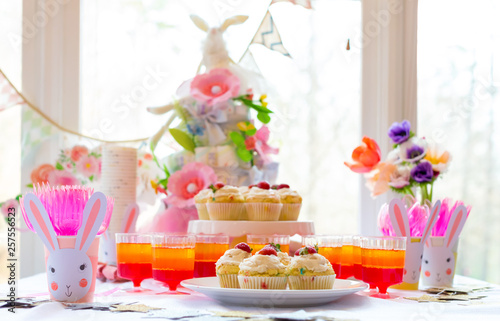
x=238 y=230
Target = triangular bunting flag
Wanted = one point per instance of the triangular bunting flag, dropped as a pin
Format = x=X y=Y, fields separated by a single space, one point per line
x=268 y=35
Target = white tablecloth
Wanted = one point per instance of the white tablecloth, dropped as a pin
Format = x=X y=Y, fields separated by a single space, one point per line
x=352 y=306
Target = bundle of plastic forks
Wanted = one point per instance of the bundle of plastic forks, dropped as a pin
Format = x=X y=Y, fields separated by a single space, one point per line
x=65 y=205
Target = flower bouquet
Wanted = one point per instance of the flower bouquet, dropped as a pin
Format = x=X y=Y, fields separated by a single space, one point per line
x=410 y=169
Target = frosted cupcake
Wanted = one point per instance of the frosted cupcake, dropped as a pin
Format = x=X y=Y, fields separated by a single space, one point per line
x=263 y=271
x=201 y=200
x=263 y=205
x=310 y=271
x=227 y=267
x=292 y=202
x=226 y=204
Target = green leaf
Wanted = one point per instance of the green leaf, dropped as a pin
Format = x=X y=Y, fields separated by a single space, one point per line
x=258 y=108
x=237 y=138
x=244 y=154
x=183 y=139
x=163 y=182
x=91 y=178
x=251 y=132
x=59 y=166
x=263 y=117
x=30 y=185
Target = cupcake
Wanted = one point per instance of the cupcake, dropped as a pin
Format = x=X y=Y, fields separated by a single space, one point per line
x=310 y=271
x=263 y=205
x=226 y=204
x=227 y=267
x=263 y=271
x=292 y=202
x=201 y=200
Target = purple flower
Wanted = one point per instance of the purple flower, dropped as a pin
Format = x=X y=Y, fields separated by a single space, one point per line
x=399 y=132
x=422 y=173
x=414 y=152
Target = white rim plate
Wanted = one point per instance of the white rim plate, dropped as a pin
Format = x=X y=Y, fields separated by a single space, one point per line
x=273 y=298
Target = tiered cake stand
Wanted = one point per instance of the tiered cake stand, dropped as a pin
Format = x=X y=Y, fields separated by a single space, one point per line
x=238 y=230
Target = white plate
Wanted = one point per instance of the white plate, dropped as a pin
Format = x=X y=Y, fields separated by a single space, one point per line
x=273 y=298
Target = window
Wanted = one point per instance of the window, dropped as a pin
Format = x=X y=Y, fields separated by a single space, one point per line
x=458 y=84
x=315 y=95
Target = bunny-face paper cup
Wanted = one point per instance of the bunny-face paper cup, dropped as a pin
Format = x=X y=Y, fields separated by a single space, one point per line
x=440 y=252
x=71 y=261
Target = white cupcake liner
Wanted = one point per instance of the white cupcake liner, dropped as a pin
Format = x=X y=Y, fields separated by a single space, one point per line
x=263 y=211
x=290 y=211
x=262 y=282
x=311 y=282
x=224 y=211
x=202 y=211
x=228 y=281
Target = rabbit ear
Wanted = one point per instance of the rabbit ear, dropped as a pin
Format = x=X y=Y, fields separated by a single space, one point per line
x=235 y=20
x=200 y=23
x=131 y=214
x=399 y=218
x=455 y=226
x=40 y=221
x=431 y=221
x=93 y=216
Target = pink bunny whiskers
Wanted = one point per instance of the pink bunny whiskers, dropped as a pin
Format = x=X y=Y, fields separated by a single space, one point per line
x=65 y=205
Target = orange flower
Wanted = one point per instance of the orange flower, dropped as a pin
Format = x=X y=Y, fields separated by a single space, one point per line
x=365 y=156
x=78 y=151
x=41 y=174
x=378 y=179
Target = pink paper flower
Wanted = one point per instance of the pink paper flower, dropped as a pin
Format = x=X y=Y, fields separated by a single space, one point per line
x=11 y=203
x=87 y=165
x=400 y=177
x=183 y=185
x=218 y=85
x=78 y=151
x=62 y=178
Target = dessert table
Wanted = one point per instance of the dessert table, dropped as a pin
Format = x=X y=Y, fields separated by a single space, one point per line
x=351 y=307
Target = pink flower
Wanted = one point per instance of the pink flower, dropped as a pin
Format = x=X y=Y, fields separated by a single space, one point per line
x=400 y=177
x=9 y=204
x=189 y=181
x=62 y=178
x=262 y=148
x=78 y=151
x=88 y=166
x=250 y=142
x=218 y=85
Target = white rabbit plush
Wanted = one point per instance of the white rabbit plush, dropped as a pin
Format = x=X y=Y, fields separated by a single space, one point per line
x=70 y=273
x=107 y=249
x=414 y=250
x=438 y=264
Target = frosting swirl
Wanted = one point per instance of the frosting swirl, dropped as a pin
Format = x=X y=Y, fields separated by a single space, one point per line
x=284 y=258
x=233 y=257
x=262 y=195
x=261 y=264
x=289 y=196
x=203 y=196
x=227 y=194
x=313 y=262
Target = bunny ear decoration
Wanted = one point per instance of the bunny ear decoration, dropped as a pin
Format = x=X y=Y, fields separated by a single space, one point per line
x=399 y=218
x=39 y=219
x=200 y=23
x=455 y=226
x=93 y=216
x=131 y=214
x=235 y=20
x=431 y=221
